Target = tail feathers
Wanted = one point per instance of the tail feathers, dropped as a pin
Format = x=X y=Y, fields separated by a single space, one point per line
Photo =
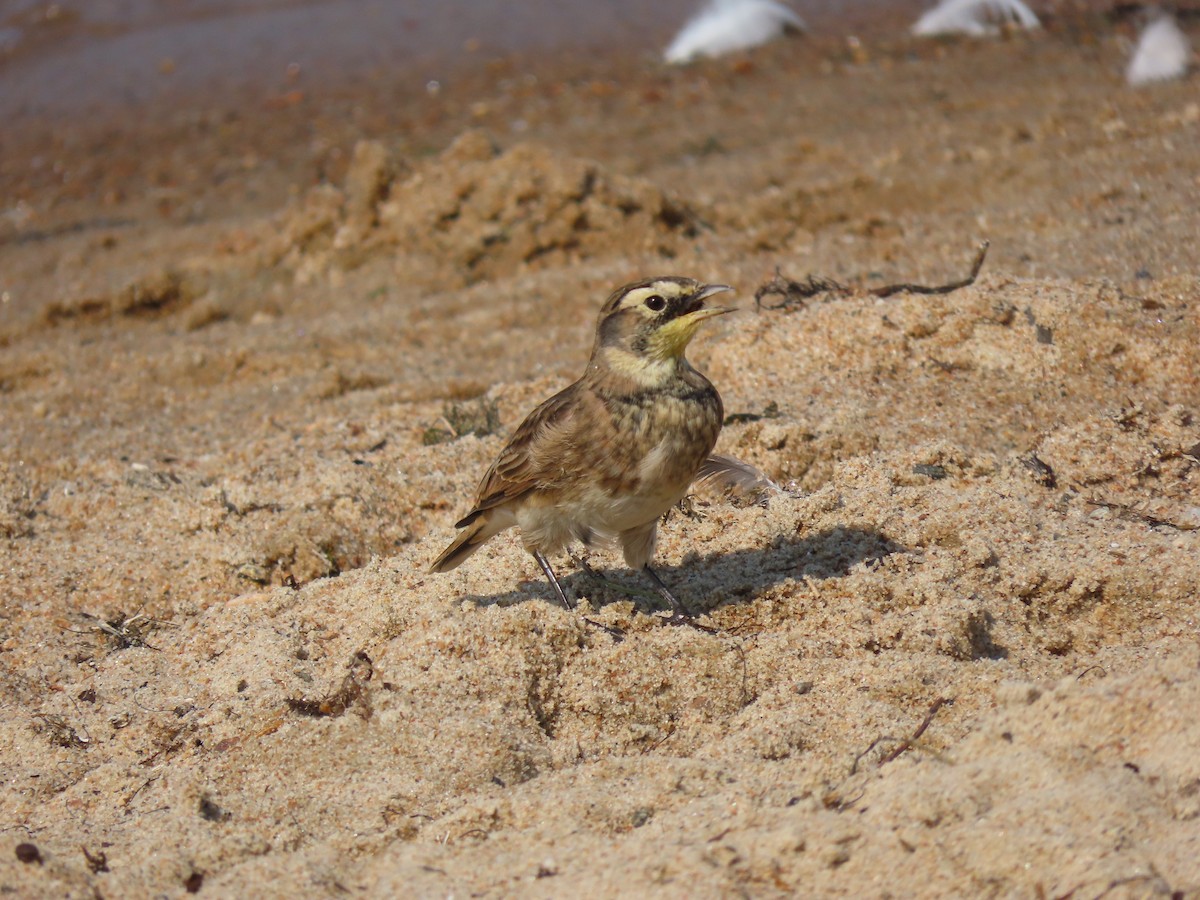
x=479 y=531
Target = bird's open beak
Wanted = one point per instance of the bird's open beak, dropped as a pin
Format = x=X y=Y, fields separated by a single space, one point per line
x=700 y=312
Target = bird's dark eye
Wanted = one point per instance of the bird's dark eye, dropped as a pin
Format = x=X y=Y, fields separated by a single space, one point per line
x=655 y=302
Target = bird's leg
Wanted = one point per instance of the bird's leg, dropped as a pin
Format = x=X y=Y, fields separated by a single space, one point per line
x=582 y=562
x=665 y=592
x=615 y=633
x=680 y=615
x=545 y=564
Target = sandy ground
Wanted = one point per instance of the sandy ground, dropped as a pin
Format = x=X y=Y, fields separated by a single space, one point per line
x=252 y=365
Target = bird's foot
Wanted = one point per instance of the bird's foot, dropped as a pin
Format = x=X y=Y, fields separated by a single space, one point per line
x=617 y=634
x=679 y=617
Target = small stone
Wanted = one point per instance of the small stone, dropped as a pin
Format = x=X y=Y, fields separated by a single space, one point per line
x=29 y=854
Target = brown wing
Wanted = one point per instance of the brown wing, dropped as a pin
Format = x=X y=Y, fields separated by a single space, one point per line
x=516 y=470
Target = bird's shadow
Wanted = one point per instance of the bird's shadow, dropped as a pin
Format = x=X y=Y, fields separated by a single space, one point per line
x=740 y=575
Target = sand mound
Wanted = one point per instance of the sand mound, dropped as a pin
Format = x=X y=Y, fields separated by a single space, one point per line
x=482 y=213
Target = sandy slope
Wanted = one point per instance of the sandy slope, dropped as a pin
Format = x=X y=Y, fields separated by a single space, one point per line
x=230 y=454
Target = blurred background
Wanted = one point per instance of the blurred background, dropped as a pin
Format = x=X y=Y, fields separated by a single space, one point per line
x=70 y=57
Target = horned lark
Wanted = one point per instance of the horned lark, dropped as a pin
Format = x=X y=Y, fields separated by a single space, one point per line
x=603 y=459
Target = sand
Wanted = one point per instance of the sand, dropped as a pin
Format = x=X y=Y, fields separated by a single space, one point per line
x=252 y=366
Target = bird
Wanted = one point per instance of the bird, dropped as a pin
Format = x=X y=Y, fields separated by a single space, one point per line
x=1161 y=54
x=602 y=460
x=726 y=26
x=977 y=18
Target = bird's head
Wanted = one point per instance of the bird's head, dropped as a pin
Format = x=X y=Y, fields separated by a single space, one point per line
x=644 y=328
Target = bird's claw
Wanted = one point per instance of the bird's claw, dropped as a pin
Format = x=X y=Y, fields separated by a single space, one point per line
x=617 y=634
x=682 y=618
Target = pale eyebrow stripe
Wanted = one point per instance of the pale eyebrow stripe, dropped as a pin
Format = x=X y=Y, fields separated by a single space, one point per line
x=667 y=289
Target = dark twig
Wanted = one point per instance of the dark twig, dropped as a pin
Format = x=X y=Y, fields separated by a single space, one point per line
x=353 y=690
x=980 y=255
x=858 y=757
x=904 y=744
x=662 y=740
x=472 y=832
x=795 y=293
x=770 y=411
x=1130 y=514
x=916 y=735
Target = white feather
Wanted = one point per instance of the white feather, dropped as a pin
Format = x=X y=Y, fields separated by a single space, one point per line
x=735 y=476
x=1161 y=54
x=725 y=26
x=980 y=18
